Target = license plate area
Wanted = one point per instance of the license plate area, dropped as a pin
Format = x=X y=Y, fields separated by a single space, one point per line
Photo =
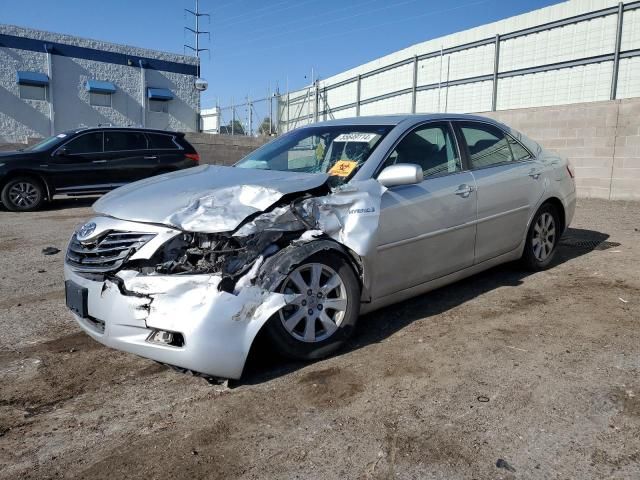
x=76 y=298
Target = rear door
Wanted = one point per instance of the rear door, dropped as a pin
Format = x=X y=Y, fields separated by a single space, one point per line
x=127 y=157
x=510 y=185
x=425 y=230
x=81 y=168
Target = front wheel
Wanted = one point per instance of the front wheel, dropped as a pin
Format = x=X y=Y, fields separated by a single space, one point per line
x=324 y=311
x=22 y=194
x=542 y=239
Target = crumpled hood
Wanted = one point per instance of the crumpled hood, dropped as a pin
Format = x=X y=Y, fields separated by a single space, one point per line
x=206 y=199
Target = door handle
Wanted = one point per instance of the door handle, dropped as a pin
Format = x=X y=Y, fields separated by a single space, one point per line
x=535 y=174
x=464 y=190
x=99 y=161
x=152 y=157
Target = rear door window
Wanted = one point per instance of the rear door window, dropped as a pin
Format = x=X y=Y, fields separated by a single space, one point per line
x=157 y=141
x=85 y=143
x=487 y=144
x=124 y=141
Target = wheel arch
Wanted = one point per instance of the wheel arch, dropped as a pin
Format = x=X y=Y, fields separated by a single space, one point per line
x=28 y=173
x=276 y=268
x=559 y=206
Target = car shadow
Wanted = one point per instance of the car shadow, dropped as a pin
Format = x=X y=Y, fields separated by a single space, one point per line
x=264 y=364
x=64 y=203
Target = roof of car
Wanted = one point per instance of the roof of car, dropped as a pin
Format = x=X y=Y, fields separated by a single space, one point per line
x=113 y=127
x=397 y=119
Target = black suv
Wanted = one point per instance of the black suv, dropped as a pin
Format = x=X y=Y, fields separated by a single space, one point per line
x=89 y=161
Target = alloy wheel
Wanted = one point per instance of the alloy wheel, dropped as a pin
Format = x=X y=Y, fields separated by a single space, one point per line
x=544 y=236
x=319 y=305
x=23 y=194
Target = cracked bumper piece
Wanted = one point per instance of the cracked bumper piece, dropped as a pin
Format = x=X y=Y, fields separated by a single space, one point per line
x=217 y=328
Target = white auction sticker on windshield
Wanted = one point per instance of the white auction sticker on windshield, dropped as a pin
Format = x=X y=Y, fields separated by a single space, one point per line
x=355 y=137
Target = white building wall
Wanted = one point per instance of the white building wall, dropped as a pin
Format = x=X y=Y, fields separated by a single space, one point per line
x=628 y=78
x=21 y=118
x=397 y=104
x=440 y=78
x=584 y=83
x=343 y=95
x=577 y=40
x=631 y=30
x=386 y=82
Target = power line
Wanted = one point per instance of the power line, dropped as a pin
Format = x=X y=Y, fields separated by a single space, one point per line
x=328 y=22
x=271 y=9
x=368 y=27
x=316 y=15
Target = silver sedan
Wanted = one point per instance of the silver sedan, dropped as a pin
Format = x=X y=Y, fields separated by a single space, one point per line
x=299 y=238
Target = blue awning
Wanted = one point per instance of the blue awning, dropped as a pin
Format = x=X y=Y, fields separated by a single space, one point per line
x=160 y=94
x=100 y=86
x=32 y=78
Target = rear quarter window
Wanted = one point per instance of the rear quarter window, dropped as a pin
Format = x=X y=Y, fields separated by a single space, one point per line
x=162 y=142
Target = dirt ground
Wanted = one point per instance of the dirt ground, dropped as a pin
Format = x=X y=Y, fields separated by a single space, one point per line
x=538 y=374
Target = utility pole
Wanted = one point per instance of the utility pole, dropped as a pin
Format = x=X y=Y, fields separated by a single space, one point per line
x=270 y=96
x=233 y=117
x=250 y=106
x=197 y=32
x=200 y=84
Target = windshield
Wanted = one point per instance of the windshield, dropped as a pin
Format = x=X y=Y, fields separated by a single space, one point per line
x=336 y=150
x=46 y=143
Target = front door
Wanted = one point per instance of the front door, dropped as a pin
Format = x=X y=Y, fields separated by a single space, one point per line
x=510 y=185
x=79 y=165
x=426 y=230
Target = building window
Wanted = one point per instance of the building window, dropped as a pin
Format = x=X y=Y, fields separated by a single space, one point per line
x=160 y=106
x=33 y=92
x=98 y=99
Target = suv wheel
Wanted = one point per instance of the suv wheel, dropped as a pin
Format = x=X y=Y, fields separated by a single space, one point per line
x=542 y=239
x=324 y=313
x=22 y=194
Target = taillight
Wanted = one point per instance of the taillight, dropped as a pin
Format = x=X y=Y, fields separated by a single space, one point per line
x=193 y=156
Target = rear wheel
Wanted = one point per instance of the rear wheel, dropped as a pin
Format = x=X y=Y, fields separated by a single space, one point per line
x=324 y=312
x=23 y=194
x=542 y=238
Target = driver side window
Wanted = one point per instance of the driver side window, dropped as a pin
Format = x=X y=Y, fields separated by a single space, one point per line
x=431 y=147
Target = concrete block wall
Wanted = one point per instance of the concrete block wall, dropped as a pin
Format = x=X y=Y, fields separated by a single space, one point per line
x=224 y=149
x=601 y=139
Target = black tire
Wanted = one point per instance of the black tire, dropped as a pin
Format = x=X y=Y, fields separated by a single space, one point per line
x=23 y=194
x=541 y=246
x=286 y=342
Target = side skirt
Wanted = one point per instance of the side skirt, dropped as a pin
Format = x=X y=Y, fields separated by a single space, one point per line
x=440 y=282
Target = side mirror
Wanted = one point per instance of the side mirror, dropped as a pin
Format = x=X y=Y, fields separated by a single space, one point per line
x=62 y=152
x=401 y=174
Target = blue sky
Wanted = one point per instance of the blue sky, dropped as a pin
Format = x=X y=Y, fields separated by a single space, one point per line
x=257 y=44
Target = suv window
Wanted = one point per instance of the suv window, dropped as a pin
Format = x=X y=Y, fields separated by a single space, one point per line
x=161 y=142
x=430 y=146
x=487 y=144
x=85 y=143
x=119 y=141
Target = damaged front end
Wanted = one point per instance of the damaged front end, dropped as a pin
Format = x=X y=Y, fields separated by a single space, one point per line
x=197 y=299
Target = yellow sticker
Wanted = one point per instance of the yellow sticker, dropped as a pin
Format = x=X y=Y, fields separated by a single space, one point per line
x=343 y=168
